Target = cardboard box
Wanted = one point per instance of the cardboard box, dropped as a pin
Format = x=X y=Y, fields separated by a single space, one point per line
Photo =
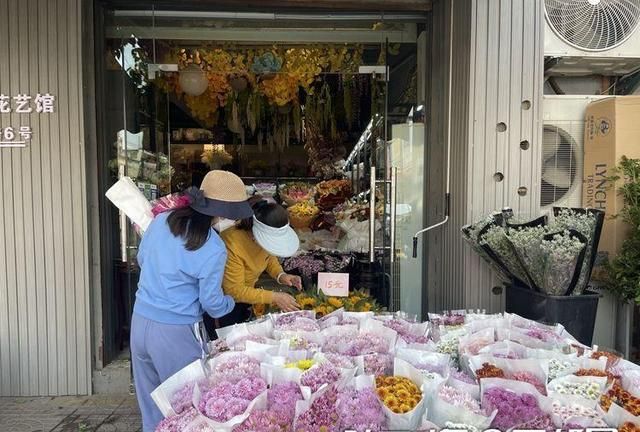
x=612 y=129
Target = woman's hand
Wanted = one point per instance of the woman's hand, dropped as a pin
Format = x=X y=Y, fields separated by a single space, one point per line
x=285 y=302
x=291 y=281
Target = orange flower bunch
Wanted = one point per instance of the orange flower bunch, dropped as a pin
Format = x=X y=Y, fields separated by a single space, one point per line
x=596 y=373
x=399 y=394
x=629 y=427
x=612 y=359
x=623 y=398
x=489 y=371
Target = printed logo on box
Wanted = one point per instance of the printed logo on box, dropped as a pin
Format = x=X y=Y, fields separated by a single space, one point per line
x=604 y=126
x=334 y=284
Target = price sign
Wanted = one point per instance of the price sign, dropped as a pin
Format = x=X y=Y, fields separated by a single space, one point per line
x=334 y=284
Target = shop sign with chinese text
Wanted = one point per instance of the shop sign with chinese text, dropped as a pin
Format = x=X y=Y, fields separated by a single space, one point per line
x=20 y=135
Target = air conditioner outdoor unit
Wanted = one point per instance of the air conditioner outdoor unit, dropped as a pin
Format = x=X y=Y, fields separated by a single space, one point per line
x=563 y=150
x=592 y=36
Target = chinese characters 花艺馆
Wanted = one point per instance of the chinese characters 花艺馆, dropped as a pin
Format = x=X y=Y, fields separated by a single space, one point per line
x=22 y=104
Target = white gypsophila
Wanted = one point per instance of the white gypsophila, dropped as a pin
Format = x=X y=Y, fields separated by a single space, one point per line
x=526 y=241
x=475 y=228
x=496 y=239
x=585 y=224
x=472 y=236
x=561 y=254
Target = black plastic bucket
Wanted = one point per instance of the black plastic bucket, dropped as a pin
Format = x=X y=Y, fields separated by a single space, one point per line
x=576 y=313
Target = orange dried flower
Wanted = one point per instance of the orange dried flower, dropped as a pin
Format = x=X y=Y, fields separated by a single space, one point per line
x=612 y=359
x=629 y=427
x=489 y=371
x=596 y=373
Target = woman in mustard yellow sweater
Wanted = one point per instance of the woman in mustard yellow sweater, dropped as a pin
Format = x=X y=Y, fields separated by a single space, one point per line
x=253 y=248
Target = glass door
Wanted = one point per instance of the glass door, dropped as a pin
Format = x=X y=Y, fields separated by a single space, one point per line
x=133 y=119
x=400 y=185
x=406 y=158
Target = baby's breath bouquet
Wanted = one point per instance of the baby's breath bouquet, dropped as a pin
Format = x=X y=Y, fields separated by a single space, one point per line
x=587 y=222
x=554 y=258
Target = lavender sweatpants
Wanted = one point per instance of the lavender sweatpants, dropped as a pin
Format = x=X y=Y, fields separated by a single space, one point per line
x=157 y=352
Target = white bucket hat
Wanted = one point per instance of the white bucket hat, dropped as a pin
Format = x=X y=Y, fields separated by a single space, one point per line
x=281 y=242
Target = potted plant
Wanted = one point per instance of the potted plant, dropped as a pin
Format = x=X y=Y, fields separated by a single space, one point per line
x=623 y=271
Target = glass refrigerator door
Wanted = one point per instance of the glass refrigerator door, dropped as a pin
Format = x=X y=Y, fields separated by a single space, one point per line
x=406 y=159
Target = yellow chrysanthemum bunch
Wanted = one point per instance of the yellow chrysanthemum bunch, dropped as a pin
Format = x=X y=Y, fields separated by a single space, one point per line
x=300 y=364
x=399 y=394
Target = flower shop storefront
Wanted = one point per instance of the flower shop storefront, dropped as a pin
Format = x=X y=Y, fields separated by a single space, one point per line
x=322 y=113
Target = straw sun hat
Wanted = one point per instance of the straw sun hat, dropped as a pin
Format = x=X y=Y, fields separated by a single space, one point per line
x=221 y=194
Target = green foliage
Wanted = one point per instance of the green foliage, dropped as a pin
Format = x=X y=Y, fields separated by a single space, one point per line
x=623 y=273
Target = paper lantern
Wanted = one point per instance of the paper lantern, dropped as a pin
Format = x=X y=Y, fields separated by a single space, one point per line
x=193 y=81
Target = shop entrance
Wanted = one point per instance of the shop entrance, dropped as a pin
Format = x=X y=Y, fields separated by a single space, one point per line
x=323 y=113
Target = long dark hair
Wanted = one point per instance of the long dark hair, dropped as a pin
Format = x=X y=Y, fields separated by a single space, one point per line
x=271 y=214
x=192 y=226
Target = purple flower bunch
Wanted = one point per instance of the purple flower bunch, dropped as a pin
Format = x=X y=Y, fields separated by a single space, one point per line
x=282 y=399
x=543 y=422
x=530 y=378
x=236 y=368
x=288 y=319
x=360 y=410
x=182 y=399
x=307 y=265
x=450 y=320
x=263 y=421
x=403 y=328
x=360 y=344
x=300 y=324
x=339 y=342
x=340 y=361
x=226 y=400
x=378 y=364
x=321 y=416
x=513 y=409
x=336 y=264
x=430 y=368
x=316 y=377
x=177 y=423
x=461 y=376
x=460 y=399
x=349 y=321
x=240 y=343
x=281 y=409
